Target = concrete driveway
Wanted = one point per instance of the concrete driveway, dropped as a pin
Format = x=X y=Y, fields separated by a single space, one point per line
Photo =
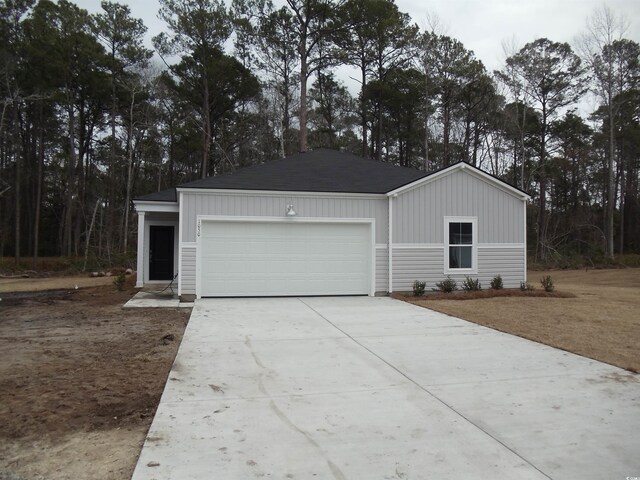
x=374 y=388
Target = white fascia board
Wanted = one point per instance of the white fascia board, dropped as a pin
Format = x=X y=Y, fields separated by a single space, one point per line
x=142 y=206
x=279 y=193
x=469 y=169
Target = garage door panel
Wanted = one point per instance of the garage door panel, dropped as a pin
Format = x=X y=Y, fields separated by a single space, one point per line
x=274 y=258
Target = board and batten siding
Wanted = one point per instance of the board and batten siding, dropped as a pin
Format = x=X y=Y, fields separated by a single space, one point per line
x=418 y=230
x=273 y=205
x=427 y=264
x=418 y=226
x=418 y=214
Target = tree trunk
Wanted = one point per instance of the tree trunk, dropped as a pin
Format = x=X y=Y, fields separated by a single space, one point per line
x=522 y=150
x=611 y=200
x=542 y=201
x=111 y=170
x=125 y=233
x=466 y=143
x=206 y=131
x=286 y=119
x=88 y=239
x=446 y=127
x=631 y=204
x=18 y=212
x=409 y=149
x=67 y=240
x=515 y=162
x=18 y=205
x=101 y=230
x=172 y=140
x=84 y=135
x=426 y=118
x=36 y=221
x=379 y=127
x=622 y=199
x=30 y=161
x=363 y=111
x=476 y=143
x=304 y=73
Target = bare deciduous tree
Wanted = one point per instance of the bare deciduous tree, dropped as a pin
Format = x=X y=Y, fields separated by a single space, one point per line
x=595 y=46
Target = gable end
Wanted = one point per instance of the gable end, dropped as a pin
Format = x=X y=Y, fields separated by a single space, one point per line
x=469 y=169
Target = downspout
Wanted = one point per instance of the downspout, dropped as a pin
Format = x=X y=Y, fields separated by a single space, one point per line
x=390 y=245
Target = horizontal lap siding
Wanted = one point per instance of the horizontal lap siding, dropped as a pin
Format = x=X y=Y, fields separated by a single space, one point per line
x=382 y=269
x=188 y=286
x=506 y=262
x=427 y=264
x=409 y=265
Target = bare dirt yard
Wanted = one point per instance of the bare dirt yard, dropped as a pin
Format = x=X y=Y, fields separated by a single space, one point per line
x=600 y=321
x=80 y=379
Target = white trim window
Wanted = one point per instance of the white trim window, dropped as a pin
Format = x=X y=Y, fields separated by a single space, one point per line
x=460 y=245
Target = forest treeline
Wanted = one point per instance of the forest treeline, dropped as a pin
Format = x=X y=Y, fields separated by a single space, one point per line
x=92 y=116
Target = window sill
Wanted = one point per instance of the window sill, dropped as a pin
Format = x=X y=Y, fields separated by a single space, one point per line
x=463 y=271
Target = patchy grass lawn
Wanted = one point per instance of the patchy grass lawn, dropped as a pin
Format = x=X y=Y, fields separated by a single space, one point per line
x=601 y=321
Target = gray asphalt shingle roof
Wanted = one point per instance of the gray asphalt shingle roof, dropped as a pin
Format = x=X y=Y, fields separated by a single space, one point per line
x=320 y=170
x=168 y=195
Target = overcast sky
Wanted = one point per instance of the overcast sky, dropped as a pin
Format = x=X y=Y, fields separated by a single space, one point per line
x=481 y=25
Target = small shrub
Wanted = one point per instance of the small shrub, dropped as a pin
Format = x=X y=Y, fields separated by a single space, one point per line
x=448 y=285
x=524 y=286
x=547 y=283
x=496 y=283
x=418 y=288
x=119 y=281
x=471 y=285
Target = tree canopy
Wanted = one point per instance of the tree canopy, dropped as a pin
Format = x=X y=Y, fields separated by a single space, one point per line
x=92 y=116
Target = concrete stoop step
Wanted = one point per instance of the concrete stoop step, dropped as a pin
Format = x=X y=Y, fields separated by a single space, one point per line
x=159 y=299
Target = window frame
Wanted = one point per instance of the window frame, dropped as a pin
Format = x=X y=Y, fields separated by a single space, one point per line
x=474 y=245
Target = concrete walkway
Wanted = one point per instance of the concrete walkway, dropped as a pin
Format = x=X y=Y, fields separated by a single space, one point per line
x=374 y=388
x=152 y=299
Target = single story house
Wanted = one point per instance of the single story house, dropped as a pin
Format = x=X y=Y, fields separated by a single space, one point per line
x=331 y=223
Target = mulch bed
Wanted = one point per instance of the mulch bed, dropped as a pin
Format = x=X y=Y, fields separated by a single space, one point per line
x=462 y=295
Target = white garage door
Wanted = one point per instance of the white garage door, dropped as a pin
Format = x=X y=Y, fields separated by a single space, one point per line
x=284 y=258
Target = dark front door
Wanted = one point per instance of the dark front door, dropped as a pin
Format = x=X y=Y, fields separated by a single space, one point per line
x=160 y=252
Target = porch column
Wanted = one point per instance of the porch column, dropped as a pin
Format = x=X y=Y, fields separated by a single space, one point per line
x=140 y=268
